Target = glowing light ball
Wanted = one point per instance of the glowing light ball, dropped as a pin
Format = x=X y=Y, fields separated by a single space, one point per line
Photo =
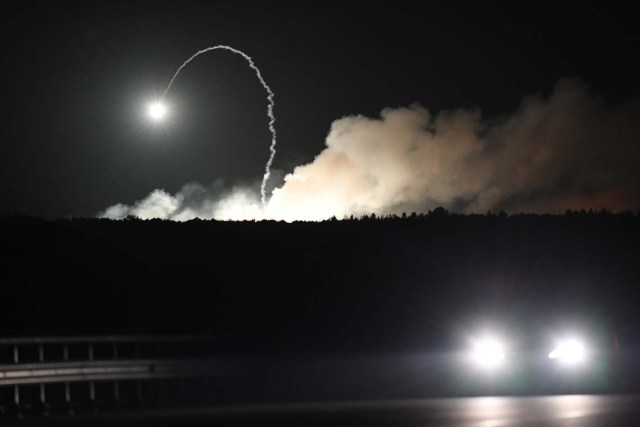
x=157 y=111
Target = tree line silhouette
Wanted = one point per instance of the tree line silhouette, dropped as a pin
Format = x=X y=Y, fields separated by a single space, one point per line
x=373 y=281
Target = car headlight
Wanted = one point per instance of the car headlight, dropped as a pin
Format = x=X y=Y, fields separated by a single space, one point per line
x=569 y=351
x=488 y=352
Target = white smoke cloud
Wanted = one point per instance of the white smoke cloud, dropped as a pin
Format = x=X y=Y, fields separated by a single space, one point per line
x=568 y=151
x=194 y=201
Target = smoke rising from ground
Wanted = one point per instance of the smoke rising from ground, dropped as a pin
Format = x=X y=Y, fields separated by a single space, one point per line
x=570 y=150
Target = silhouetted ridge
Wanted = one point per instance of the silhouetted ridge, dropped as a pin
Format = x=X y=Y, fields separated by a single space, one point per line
x=386 y=282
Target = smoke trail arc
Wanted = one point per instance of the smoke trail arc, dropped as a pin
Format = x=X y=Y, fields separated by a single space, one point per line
x=270 y=107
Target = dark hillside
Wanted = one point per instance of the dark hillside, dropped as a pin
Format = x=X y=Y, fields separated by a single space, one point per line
x=413 y=282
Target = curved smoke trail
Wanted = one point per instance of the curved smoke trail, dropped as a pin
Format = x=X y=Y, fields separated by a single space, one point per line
x=272 y=118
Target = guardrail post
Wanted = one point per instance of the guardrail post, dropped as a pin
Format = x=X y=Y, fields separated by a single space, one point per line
x=92 y=395
x=67 y=386
x=92 y=386
x=137 y=354
x=43 y=391
x=16 y=395
x=16 y=354
x=43 y=399
x=67 y=398
x=116 y=384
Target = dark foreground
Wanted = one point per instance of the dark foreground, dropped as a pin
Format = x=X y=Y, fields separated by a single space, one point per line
x=566 y=410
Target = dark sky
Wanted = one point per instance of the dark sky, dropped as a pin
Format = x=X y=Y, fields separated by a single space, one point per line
x=75 y=78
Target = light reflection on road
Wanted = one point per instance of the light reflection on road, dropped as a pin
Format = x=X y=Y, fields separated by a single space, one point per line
x=570 y=410
x=543 y=411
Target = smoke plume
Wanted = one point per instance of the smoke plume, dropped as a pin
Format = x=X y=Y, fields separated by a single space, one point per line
x=570 y=150
x=271 y=105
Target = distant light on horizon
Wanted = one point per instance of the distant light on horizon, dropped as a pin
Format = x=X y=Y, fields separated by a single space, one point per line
x=157 y=111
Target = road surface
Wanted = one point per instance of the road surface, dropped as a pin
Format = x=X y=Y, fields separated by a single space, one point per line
x=567 y=410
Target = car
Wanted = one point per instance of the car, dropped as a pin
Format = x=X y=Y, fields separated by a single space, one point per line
x=567 y=363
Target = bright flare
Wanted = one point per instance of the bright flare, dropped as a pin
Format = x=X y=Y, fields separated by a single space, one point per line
x=157 y=111
x=568 y=351
x=488 y=353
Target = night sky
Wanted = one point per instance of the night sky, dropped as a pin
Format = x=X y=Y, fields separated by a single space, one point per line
x=76 y=78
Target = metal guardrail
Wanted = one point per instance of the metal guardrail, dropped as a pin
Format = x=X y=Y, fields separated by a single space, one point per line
x=105 y=339
x=88 y=367
x=46 y=373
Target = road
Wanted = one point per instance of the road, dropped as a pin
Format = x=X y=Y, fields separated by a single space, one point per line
x=565 y=411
